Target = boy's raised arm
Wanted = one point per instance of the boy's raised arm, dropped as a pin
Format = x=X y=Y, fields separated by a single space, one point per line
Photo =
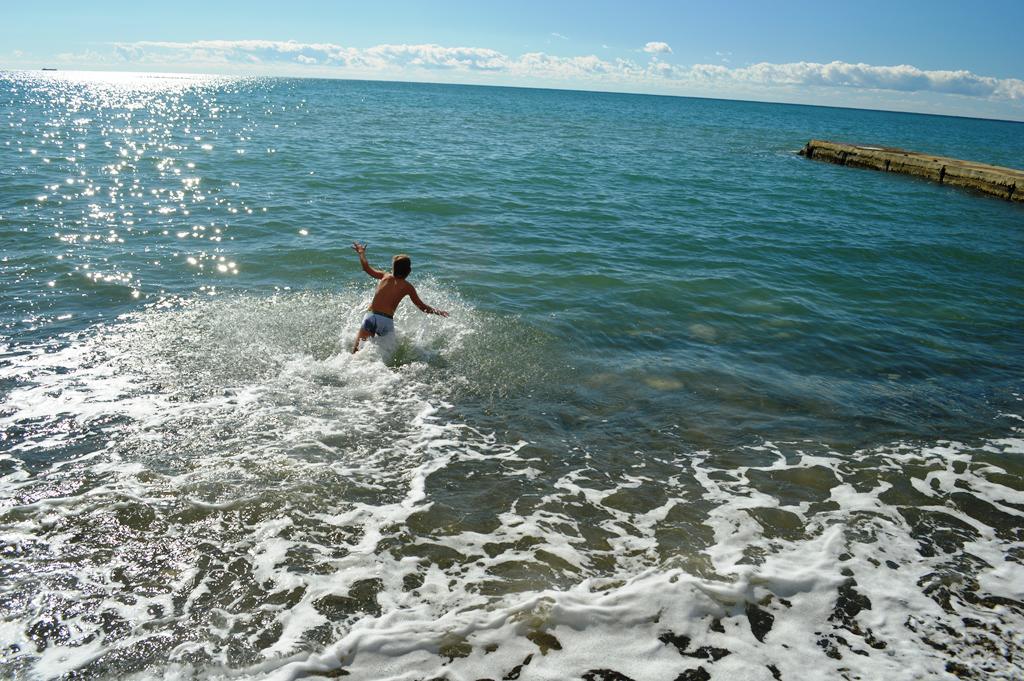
x=361 y=250
x=423 y=306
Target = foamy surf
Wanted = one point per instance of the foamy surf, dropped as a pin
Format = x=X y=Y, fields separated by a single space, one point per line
x=218 y=489
x=863 y=595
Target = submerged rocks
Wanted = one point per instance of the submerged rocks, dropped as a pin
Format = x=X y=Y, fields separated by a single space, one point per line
x=761 y=621
x=681 y=643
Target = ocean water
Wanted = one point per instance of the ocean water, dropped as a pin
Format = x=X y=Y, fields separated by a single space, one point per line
x=702 y=408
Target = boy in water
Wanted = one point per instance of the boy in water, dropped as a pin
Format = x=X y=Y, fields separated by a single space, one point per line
x=390 y=291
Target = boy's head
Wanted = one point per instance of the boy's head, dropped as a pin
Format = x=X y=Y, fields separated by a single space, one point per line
x=401 y=266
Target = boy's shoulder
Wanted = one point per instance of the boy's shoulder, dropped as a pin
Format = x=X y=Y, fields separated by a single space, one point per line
x=401 y=283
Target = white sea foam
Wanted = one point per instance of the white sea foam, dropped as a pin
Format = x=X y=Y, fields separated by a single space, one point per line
x=232 y=494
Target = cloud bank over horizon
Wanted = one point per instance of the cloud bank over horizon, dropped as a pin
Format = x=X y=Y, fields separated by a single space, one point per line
x=649 y=70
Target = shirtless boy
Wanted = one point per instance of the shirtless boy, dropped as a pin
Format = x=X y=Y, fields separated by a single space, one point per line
x=390 y=291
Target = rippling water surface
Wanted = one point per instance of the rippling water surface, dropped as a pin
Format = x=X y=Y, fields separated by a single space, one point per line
x=700 y=403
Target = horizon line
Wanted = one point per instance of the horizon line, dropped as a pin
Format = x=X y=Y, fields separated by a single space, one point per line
x=515 y=87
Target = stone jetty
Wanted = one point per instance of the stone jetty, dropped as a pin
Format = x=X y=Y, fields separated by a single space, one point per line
x=1006 y=183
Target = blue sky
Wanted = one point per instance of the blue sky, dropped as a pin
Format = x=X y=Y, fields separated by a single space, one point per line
x=937 y=56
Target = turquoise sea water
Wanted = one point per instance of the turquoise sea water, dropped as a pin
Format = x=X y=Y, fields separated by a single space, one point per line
x=693 y=386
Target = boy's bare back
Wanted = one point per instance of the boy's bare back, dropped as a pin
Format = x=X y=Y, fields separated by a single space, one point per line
x=390 y=291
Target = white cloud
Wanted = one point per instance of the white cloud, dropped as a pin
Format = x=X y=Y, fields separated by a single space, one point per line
x=430 y=57
x=406 y=61
x=559 y=35
x=657 y=48
x=901 y=78
x=87 y=57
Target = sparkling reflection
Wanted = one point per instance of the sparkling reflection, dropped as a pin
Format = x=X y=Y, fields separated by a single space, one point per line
x=123 y=173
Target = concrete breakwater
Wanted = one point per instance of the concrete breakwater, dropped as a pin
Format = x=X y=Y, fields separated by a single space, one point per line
x=1006 y=183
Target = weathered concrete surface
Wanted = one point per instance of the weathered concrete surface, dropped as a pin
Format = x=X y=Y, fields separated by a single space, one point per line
x=1006 y=183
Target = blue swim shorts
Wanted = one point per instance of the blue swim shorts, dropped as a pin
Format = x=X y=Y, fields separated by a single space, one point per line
x=377 y=324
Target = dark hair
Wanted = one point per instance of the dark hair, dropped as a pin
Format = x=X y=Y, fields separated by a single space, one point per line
x=401 y=266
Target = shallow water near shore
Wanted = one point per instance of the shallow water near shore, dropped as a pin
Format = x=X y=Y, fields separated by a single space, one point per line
x=700 y=403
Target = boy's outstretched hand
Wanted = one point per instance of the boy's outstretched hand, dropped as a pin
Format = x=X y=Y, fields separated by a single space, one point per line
x=358 y=247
